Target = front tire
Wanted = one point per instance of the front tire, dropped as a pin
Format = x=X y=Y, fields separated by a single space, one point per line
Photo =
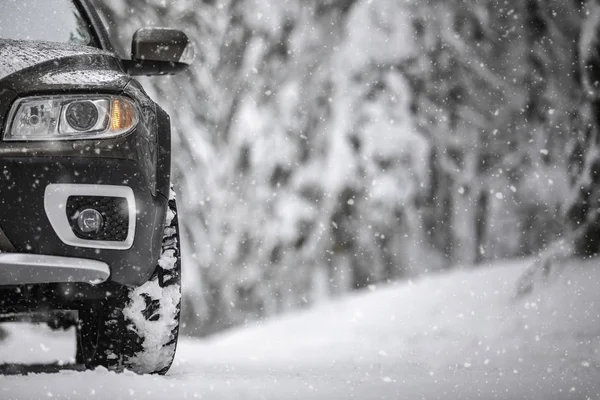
x=139 y=329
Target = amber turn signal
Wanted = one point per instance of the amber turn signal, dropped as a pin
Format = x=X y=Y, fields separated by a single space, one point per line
x=123 y=116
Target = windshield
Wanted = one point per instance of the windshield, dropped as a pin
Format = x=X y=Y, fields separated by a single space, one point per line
x=46 y=20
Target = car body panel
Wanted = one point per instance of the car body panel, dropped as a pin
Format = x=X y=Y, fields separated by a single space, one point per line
x=139 y=159
x=27 y=226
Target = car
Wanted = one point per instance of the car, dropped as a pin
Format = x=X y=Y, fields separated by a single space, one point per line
x=89 y=231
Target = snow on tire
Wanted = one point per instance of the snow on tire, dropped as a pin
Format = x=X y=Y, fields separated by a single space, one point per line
x=152 y=313
x=138 y=331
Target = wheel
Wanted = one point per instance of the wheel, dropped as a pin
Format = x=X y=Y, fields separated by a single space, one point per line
x=138 y=330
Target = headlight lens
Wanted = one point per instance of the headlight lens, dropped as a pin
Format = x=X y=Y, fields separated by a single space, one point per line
x=71 y=118
x=83 y=116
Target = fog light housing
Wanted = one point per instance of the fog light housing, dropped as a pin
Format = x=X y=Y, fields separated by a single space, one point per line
x=90 y=221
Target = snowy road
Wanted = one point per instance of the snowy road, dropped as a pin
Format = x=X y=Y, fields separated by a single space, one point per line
x=453 y=336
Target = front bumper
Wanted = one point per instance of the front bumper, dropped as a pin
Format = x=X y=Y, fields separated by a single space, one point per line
x=32 y=269
x=25 y=222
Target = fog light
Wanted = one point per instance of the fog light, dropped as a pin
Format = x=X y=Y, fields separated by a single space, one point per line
x=90 y=221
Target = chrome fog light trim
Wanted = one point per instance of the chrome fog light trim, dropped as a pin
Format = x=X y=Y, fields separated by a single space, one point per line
x=55 y=203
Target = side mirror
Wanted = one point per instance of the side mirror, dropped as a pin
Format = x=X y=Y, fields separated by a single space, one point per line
x=159 y=51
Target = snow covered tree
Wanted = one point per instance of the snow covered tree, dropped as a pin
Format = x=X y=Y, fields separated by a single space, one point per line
x=328 y=145
x=497 y=91
x=585 y=157
x=300 y=167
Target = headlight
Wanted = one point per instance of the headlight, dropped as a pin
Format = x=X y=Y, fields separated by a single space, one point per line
x=71 y=118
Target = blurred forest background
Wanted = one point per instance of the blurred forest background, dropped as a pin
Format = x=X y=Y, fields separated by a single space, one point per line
x=323 y=146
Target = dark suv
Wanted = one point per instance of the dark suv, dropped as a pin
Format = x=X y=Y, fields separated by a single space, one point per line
x=88 y=222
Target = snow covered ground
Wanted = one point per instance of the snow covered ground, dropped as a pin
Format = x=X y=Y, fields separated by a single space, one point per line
x=460 y=335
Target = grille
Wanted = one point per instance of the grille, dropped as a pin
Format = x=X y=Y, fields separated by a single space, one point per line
x=114 y=210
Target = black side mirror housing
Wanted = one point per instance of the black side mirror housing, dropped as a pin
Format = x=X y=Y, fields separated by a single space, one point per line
x=159 y=51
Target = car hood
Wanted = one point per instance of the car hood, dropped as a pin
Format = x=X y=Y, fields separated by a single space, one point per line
x=34 y=67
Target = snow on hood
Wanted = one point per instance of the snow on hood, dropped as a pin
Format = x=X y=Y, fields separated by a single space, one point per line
x=80 y=77
x=16 y=55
